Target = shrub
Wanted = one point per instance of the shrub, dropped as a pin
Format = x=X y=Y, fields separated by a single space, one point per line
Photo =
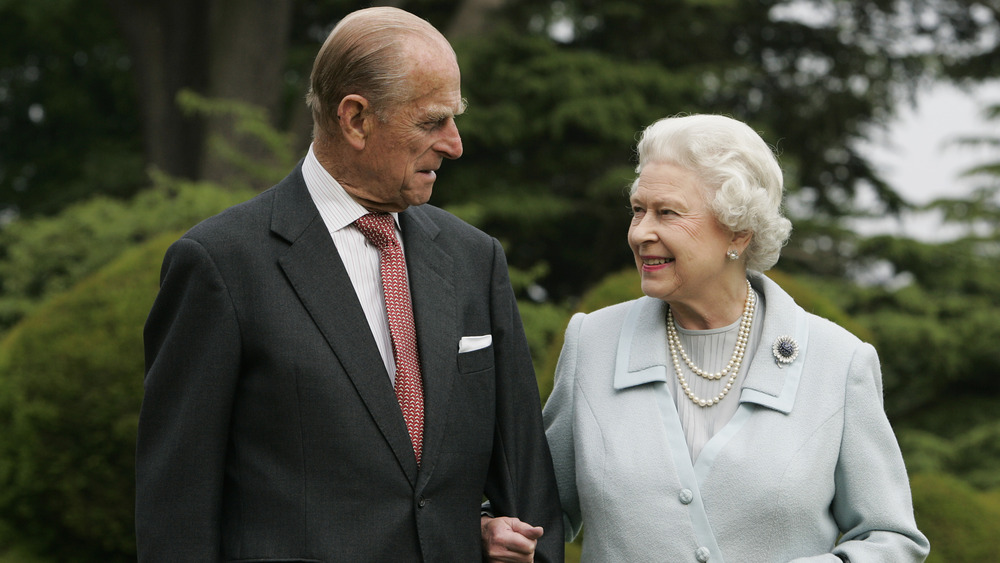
x=42 y=257
x=70 y=391
x=960 y=522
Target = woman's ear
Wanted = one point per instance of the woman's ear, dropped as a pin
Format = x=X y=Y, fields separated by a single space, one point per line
x=741 y=240
x=354 y=117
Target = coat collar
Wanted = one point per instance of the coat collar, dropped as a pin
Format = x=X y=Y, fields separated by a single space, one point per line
x=643 y=355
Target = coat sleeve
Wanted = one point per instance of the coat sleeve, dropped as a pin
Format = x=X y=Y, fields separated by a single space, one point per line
x=192 y=349
x=872 y=505
x=558 y=417
x=521 y=482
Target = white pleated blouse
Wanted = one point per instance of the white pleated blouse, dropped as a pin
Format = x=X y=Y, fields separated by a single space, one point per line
x=711 y=350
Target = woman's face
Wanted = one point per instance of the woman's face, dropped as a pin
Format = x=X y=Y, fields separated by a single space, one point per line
x=679 y=246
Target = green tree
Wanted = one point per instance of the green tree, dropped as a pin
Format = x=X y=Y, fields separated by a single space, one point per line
x=978 y=212
x=47 y=255
x=559 y=90
x=69 y=126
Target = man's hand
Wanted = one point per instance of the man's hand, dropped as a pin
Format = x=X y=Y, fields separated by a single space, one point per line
x=509 y=540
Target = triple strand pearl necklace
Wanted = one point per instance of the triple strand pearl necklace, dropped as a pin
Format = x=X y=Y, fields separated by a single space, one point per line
x=732 y=368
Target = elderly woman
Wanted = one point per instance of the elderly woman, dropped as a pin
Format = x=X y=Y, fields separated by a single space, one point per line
x=715 y=419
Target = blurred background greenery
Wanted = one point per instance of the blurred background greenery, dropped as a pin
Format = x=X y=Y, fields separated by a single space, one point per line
x=124 y=123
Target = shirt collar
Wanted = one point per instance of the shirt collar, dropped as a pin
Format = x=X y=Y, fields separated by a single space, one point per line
x=337 y=208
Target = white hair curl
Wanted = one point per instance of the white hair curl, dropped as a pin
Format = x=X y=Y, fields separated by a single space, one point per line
x=733 y=162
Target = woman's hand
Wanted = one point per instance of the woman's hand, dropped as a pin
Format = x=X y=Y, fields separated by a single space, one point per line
x=508 y=540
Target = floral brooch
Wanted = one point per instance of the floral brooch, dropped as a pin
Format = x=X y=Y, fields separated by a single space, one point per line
x=785 y=350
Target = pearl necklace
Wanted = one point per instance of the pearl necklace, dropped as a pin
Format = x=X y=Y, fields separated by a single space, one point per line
x=732 y=368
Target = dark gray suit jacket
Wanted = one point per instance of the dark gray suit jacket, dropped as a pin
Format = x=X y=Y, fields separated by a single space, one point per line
x=269 y=430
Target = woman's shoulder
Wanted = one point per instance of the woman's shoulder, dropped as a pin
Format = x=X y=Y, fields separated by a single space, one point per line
x=781 y=305
x=613 y=316
x=829 y=330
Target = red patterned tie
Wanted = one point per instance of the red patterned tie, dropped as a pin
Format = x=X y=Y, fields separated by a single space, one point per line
x=380 y=230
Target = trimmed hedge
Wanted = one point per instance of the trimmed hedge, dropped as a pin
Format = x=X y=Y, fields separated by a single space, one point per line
x=70 y=390
x=961 y=522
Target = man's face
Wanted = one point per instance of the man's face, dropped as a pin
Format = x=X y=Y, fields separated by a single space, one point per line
x=402 y=154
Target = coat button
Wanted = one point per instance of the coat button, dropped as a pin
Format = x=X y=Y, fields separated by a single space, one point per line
x=422 y=502
x=686 y=496
x=702 y=554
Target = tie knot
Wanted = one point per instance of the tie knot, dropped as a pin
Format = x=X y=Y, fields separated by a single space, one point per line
x=379 y=229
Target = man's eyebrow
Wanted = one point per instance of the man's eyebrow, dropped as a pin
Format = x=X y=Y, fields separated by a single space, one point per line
x=442 y=112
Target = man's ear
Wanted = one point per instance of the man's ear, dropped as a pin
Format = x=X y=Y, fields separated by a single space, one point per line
x=355 y=117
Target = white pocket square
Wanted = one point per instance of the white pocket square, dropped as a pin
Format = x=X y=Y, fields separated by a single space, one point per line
x=471 y=343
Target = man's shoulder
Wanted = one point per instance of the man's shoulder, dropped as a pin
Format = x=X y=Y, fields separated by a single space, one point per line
x=240 y=217
x=253 y=214
x=430 y=216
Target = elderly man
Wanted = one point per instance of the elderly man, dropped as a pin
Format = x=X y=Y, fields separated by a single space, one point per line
x=334 y=370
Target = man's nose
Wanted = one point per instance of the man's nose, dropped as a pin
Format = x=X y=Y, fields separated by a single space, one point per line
x=450 y=144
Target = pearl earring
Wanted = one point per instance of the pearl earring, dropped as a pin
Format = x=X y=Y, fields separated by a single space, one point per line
x=733 y=254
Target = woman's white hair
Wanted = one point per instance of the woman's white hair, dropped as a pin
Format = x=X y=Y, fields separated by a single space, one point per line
x=734 y=163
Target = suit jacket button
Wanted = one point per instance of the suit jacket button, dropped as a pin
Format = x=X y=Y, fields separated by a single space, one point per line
x=422 y=502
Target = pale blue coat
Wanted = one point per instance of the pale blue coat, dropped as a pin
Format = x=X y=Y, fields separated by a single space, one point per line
x=808 y=456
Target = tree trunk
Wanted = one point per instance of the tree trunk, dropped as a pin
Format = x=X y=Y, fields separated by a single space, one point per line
x=472 y=18
x=167 y=42
x=247 y=56
x=232 y=49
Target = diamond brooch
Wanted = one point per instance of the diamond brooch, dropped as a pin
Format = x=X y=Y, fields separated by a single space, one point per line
x=785 y=350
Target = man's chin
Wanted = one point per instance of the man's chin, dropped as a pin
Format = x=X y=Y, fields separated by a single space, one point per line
x=417 y=197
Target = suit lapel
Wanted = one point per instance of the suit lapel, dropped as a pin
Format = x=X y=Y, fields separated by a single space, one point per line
x=317 y=274
x=642 y=352
x=768 y=383
x=432 y=287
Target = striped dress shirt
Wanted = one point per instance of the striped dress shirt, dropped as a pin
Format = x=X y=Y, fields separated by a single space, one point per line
x=361 y=259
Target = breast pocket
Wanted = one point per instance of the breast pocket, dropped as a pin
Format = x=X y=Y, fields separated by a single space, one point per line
x=476 y=360
x=472 y=403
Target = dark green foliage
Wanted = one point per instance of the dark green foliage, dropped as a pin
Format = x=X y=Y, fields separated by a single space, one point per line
x=615 y=288
x=959 y=521
x=44 y=256
x=549 y=138
x=951 y=415
x=933 y=333
x=977 y=456
x=543 y=324
x=72 y=386
x=249 y=129
x=811 y=83
x=973 y=454
x=69 y=124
